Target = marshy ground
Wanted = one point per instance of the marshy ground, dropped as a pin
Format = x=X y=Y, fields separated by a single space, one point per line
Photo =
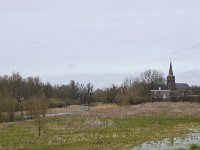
x=102 y=127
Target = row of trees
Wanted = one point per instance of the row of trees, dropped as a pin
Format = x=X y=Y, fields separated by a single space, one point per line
x=35 y=97
x=32 y=96
x=133 y=90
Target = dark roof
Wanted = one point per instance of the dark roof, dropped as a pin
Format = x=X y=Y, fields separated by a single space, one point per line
x=182 y=86
x=179 y=86
x=157 y=86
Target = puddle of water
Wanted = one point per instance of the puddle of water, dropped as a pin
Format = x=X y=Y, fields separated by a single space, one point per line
x=57 y=114
x=171 y=144
x=50 y=115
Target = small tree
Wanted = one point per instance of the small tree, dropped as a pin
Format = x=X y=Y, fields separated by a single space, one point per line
x=37 y=106
x=86 y=93
x=152 y=77
x=111 y=94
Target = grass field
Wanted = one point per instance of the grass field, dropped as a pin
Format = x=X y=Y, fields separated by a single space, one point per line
x=94 y=130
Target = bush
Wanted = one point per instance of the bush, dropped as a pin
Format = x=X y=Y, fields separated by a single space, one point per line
x=131 y=99
x=55 y=102
x=139 y=100
x=10 y=108
x=186 y=99
x=194 y=147
x=37 y=107
x=11 y=116
x=122 y=100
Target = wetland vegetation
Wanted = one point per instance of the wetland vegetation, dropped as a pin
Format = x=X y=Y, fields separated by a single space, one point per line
x=115 y=127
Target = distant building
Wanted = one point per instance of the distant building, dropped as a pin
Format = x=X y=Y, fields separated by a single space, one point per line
x=171 y=90
x=171 y=84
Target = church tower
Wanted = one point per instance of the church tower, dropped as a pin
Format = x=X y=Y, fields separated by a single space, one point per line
x=171 y=79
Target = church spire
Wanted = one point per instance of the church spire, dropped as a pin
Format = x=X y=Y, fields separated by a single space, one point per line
x=170 y=69
x=171 y=84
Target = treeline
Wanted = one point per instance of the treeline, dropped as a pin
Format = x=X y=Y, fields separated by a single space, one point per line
x=16 y=87
x=133 y=90
x=195 y=89
x=34 y=97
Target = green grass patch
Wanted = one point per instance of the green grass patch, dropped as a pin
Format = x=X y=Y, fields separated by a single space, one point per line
x=93 y=133
x=193 y=147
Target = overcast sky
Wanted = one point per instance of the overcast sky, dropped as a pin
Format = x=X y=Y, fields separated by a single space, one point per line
x=99 y=41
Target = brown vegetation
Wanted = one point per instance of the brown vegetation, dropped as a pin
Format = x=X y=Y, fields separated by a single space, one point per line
x=169 y=108
x=34 y=97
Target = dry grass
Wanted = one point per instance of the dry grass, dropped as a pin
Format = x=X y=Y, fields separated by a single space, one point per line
x=71 y=109
x=102 y=127
x=106 y=106
x=112 y=110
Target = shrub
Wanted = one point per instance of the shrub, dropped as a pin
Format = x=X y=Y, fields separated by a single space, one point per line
x=10 y=108
x=194 y=147
x=37 y=107
x=138 y=100
x=56 y=102
x=122 y=100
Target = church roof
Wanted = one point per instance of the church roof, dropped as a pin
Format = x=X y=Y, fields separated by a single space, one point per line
x=179 y=86
x=157 y=86
x=182 y=86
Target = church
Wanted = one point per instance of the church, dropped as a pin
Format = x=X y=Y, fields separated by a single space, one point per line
x=171 y=90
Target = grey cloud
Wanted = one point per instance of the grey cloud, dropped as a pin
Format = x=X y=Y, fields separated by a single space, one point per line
x=190 y=77
x=83 y=36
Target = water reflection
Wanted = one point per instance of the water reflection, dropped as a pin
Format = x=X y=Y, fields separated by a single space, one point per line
x=171 y=144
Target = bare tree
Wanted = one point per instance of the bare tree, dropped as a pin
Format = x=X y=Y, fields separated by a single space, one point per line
x=152 y=77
